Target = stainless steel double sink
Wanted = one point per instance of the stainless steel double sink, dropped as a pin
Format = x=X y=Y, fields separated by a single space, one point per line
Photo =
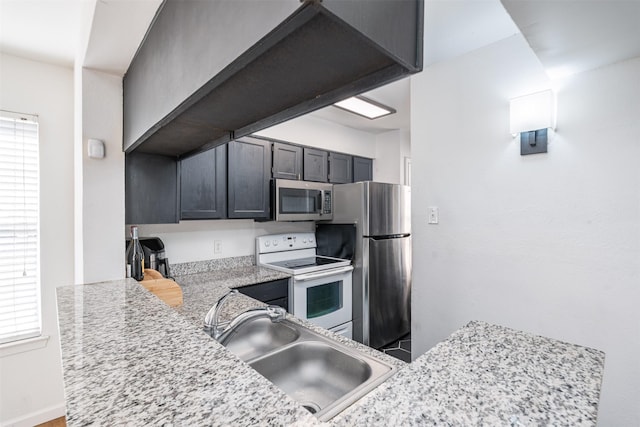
x=323 y=375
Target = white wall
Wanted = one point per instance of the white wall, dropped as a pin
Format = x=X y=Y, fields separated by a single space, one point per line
x=31 y=382
x=547 y=243
x=392 y=148
x=193 y=240
x=316 y=132
x=101 y=201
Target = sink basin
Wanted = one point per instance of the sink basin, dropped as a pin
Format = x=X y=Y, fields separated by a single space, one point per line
x=258 y=337
x=324 y=376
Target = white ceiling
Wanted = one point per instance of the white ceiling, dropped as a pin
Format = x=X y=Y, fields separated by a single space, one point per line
x=101 y=34
x=570 y=36
x=45 y=30
x=118 y=29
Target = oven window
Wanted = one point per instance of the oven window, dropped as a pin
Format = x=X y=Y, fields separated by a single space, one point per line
x=299 y=201
x=324 y=299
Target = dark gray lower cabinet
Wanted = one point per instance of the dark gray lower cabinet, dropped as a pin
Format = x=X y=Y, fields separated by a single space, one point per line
x=275 y=292
x=340 y=168
x=203 y=185
x=362 y=169
x=151 y=189
x=249 y=172
x=315 y=165
x=287 y=161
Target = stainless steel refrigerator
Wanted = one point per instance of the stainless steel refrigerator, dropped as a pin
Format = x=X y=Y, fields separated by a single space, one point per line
x=372 y=225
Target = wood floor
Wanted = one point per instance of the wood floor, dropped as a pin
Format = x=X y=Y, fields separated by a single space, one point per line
x=58 y=422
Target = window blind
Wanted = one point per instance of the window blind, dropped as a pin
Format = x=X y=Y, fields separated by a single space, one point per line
x=19 y=266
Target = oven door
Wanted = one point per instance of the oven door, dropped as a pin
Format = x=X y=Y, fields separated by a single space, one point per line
x=323 y=298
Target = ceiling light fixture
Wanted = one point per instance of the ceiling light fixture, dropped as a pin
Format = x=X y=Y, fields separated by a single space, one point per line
x=364 y=107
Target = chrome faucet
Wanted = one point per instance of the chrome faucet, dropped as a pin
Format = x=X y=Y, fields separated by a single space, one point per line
x=220 y=331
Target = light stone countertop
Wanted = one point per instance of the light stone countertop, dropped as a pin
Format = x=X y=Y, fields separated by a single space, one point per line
x=130 y=359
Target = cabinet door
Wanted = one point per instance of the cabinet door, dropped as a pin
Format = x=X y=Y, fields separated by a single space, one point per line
x=362 y=169
x=249 y=172
x=315 y=165
x=340 y=168
x=287 y=161
x=203 y=185
x=151 y=189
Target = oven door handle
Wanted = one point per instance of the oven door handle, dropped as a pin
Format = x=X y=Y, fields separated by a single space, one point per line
x=332 y=272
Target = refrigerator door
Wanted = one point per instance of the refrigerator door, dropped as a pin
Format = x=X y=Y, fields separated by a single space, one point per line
x=387 y=209
x=388 y=290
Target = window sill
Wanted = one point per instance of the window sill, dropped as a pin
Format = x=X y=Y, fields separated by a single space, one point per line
x=21 y=346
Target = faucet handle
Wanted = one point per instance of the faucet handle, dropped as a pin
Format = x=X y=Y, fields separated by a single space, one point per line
x=276 y=313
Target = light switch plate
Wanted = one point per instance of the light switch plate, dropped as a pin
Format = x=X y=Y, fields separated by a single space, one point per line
x=433 y=215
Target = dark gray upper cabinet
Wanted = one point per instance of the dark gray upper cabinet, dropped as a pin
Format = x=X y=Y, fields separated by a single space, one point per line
x=315 y=165
x=249 y=171
x=151 y=186
x=203 y=185
x=211 y=71
x=287 y=161
x=362 y=169
x=340 y=168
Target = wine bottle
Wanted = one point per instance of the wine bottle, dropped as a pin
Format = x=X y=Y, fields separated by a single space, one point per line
x=135 y=256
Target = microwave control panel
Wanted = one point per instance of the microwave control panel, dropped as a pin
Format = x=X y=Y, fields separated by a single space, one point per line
x=327 y=202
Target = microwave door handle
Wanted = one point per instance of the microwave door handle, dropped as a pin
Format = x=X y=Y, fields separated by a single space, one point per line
x=321 y=202
x=332 y=272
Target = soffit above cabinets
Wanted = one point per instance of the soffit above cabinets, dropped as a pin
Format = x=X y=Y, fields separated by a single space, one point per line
x=570 y=37
x=319 y=53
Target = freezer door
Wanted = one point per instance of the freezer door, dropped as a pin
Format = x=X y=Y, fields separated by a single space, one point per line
x=389 y=209
x=389 y=289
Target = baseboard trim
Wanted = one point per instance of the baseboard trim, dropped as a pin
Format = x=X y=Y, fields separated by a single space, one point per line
x=35 y=418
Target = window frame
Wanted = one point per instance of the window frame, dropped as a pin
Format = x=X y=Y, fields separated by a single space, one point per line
x=26 y=213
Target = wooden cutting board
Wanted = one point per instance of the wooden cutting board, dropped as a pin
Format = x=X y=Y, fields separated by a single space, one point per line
x=165 y=289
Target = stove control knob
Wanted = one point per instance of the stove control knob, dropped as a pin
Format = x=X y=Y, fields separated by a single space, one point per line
x=267 y=244
x=304 y=240
x=310 y=239
x=275 y=243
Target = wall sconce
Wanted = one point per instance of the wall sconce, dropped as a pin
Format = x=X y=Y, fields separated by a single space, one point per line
x=531 y=116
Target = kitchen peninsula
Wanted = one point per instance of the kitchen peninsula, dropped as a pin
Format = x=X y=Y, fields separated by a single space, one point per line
x=130 y=359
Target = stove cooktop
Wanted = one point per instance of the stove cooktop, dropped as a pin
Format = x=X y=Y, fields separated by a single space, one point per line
x=308 y=264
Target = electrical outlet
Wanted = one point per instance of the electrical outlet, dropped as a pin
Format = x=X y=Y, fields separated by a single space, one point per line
x=433 y=215
x=217 y=246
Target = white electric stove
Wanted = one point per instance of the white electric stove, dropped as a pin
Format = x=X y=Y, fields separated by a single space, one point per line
x=320 y=286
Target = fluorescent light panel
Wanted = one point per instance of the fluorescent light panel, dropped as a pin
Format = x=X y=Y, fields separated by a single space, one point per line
x=365 y=107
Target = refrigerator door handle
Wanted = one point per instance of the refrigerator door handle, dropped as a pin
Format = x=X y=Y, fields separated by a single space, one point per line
x=390 y=236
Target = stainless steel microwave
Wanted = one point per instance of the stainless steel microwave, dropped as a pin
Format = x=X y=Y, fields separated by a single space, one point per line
x=303 y=200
